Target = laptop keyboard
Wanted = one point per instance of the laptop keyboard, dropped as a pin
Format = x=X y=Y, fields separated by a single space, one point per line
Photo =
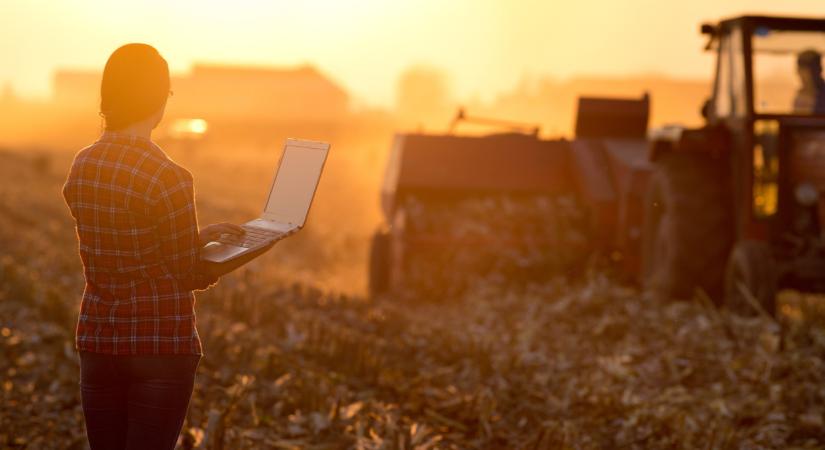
x=254 y=237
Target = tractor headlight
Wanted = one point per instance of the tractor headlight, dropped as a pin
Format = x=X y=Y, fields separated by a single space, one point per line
x=806 y=194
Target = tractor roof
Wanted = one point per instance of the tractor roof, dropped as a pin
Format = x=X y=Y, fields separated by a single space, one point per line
x=783 y=23
x=761 y=25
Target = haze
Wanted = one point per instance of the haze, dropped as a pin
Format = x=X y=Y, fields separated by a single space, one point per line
x=483 y=46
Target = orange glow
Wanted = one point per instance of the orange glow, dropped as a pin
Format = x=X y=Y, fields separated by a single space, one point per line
x=472 y=272
x=483 y=47
x=188 y=127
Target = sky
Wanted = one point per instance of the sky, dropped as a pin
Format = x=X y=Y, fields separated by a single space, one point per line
x=483 y=46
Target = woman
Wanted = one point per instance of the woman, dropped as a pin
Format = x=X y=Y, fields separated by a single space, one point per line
x=140 y=245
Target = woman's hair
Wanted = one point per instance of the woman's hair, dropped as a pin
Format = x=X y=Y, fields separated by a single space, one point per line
x=135 y=85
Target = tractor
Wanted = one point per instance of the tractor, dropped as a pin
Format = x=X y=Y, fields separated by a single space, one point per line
x=732 y=208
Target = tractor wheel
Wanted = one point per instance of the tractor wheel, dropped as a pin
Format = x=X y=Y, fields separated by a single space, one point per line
x=688 y=226
x=379 y=274
x=751 y=272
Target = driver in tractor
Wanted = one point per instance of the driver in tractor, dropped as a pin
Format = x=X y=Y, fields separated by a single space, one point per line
x=810 y=98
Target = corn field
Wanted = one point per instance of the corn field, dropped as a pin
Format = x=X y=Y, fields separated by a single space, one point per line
x=554 y=363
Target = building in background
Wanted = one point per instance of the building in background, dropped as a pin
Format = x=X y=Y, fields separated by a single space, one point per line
x=217 y=92
x=228 y=93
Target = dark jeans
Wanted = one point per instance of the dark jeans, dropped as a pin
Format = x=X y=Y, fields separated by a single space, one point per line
x=135 y=402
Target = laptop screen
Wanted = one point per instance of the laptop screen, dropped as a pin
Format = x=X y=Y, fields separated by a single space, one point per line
x=295 y=182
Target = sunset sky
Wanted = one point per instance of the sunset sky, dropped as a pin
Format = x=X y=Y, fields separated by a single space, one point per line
x=484 y=46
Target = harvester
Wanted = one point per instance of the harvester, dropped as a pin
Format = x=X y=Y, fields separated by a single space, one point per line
x=605 y=170
x=732 y=208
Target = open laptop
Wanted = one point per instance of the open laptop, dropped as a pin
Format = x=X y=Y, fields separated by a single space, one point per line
x=286 y=206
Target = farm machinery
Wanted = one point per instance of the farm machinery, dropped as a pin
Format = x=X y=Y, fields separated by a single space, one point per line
x=732 y=208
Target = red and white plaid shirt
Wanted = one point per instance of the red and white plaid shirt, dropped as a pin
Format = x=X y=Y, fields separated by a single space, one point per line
x=138 y=238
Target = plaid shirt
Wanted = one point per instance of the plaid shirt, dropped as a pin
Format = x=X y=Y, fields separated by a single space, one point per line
x=138 y=239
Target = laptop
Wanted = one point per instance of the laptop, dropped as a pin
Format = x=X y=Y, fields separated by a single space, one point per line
x=286 y=207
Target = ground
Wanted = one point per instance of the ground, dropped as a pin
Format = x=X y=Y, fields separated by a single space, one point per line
x=296 y=361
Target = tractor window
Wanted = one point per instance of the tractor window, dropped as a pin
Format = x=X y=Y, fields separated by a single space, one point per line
x=721 y=98
x=731 y=95
x=787 y=71
x=765 y=168
x=739 y=91
x=775 y=83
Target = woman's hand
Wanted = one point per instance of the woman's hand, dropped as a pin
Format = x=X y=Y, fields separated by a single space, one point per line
x=212 y=232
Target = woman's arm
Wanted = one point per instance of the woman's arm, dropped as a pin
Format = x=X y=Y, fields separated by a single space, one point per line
x=182 y=241
x=177 y=228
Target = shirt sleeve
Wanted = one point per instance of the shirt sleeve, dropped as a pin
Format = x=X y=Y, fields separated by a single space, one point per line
x=177 y=227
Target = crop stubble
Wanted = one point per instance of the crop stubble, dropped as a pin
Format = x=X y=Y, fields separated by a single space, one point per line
x=542 y=365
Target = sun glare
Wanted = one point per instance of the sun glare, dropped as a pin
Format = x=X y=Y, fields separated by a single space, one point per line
x=188 y=128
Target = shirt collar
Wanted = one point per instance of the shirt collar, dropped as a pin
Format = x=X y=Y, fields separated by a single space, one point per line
x=114 y=136
x=131 y=140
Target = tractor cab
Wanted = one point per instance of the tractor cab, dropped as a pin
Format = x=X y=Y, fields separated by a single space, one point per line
x=758 y=166
x=770 y=96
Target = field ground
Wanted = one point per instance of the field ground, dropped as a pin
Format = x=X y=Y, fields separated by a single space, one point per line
x=296 y=358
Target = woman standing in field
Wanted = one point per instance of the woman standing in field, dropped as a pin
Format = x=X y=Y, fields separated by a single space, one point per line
x=140 y=245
